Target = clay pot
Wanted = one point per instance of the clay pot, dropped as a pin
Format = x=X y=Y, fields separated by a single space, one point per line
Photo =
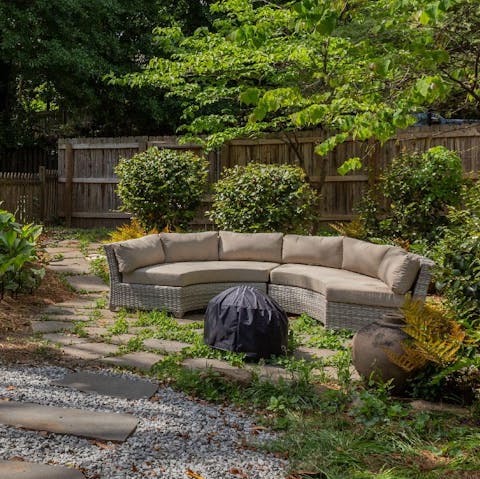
x=368 y=350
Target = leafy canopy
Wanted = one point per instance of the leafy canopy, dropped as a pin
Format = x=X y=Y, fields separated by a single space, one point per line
x=355 y=69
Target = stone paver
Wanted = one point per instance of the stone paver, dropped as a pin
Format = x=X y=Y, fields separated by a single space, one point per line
x=313 y=353
x=61 y=254
x=70 y=266
x=96 y=331
x=274 y=373
x=241 y=375
x=165 y=346
x=116 y=386
x=51 y=326
x=81 y=302
x=88 y=283
x=31 y=470
x=64 y=339
x=97 y=425
x=58 y=309
x=139 y=360
x=63 y=317
x=121 y=338
x=90 y=350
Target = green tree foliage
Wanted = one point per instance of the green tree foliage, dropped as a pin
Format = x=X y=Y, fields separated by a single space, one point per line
x=355 y=69
x=162 y=188
x=411 y=201
x=54 y=54
x=264 y=198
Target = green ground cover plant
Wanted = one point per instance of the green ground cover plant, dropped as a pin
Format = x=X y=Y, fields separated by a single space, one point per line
x=18 y=252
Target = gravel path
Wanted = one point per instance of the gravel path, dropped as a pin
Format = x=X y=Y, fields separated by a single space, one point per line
x=174 y=434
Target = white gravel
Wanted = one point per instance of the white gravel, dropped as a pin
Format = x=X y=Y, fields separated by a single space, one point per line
x=174 y=434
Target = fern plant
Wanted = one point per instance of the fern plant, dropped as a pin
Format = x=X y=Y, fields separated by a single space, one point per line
x=434 y=338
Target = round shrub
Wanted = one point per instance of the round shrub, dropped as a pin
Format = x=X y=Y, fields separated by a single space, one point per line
x=260 y=197
x=411 y=202
x=162 y=188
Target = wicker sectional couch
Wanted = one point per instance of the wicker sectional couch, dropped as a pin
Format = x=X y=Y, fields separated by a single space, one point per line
x=343 y=282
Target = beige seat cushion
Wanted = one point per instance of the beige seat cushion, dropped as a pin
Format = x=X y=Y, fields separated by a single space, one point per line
x=135 y=253
x=190 y=246
x=250 y=246
x=363 y=257
x=198 y=272
x=337 y=285
x=398 y=270
x=315 y=250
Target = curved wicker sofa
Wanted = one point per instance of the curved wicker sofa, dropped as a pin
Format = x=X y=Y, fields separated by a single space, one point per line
x=343 y=282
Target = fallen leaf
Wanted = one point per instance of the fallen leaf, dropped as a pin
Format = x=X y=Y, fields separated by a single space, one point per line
x=193 y=475
x=102 y=445
x=238 y=472
x=17 y=458
x=11 y=388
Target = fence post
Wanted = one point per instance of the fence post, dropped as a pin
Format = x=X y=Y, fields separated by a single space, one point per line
x=43 y=191
x=68 y=183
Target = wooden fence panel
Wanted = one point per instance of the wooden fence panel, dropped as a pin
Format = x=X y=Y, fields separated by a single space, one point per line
x=90 y=187
x=32 y=197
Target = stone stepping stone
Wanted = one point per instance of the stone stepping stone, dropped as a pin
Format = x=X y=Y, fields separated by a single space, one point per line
x=63 y=317
x=77 y=422
x=313 y=353
x=96 y=331
x=31 y=470
x=138 y=360
x=70 y=266
x=58 y=309
x=63 y=254
x=64 y=339
x=241 y=375
x=169 y=347
x=80 y=302
x=90 y=350
x=109 y=385
x=122 y=338
x=88 y=283
x=51 y=326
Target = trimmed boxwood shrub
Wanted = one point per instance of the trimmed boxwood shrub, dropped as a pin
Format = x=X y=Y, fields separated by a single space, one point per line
x=260 y=197
x=162 y=188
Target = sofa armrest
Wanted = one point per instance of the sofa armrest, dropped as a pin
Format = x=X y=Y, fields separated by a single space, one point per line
x=420 y=287
x=115 y=275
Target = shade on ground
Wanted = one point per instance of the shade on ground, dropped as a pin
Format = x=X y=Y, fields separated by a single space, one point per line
x=30 y=470
x=116 y=386
x=97 y=425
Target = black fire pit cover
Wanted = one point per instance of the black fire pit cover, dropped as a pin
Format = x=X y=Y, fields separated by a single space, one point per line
x=245 y=320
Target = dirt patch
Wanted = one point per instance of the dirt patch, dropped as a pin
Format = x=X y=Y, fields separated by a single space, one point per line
x=16 y=312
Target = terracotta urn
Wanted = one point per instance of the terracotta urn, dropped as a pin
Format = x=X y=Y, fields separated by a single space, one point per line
x=369 y=348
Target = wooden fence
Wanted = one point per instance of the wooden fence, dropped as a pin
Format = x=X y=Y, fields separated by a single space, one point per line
x=87 y=181
x=33 y=197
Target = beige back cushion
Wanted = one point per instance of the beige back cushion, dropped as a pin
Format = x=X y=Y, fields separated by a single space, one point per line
x=251 y=246
x=140 y=252
x=398 y=270
x=190 y=246
x=314 y=250
x=363 y=257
